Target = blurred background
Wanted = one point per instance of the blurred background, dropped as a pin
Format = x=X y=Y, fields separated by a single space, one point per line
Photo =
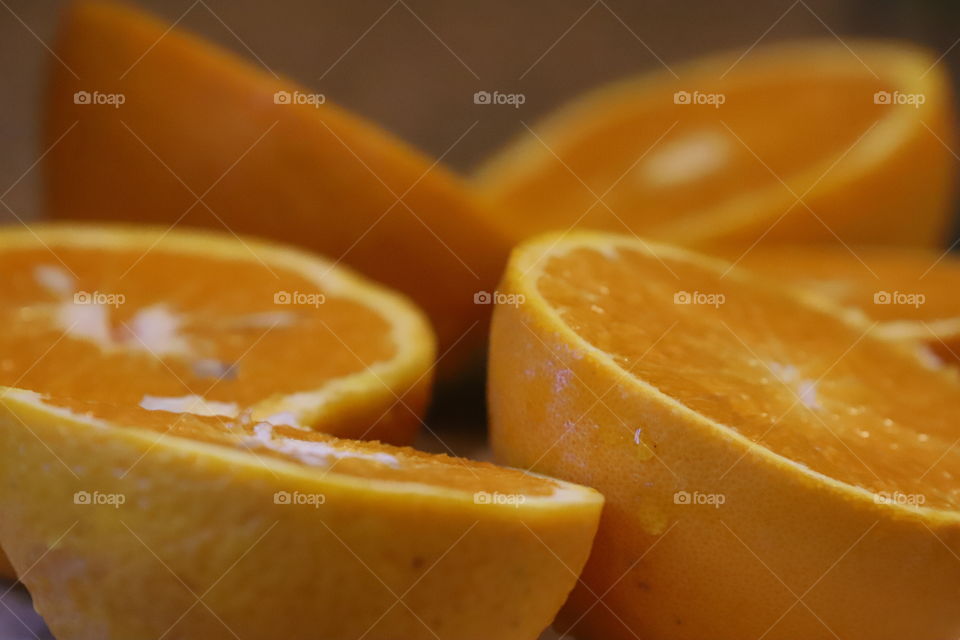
x=414 y=65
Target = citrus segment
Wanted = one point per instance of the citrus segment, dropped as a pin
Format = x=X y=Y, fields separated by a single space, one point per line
x=753 y=445
x=911 y=292
x=797 y=141
x=203 y=138
x=200 y=323
x=217 y=528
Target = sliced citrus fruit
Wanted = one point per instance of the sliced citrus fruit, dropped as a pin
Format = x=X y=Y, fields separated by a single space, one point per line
x=198 y=322
x=910 y=292
x=210 y=529
x=155 y=125
x=771 y=467
x=798 y=141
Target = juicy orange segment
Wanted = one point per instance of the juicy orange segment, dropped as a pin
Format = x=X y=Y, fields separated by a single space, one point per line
x=717 y=414
x=910 y=292
x=197 y=323
x=286 y=532
x=796 y=141
x=206 y=139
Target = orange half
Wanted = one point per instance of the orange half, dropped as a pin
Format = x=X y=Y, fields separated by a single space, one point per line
x=201 y=323
x=185 y=323
x=155 y=125
x=772 y=468
x=799 y=141
x=209 y=528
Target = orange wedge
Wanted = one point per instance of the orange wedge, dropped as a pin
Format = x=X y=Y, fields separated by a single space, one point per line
x=911 y=293
x=772 y=469
x=155 y=125
x=123 y=525
x=799 y=141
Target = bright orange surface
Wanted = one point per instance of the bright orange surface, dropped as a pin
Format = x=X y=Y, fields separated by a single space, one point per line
x=239 y=345
x=753 y=448
x=785 y=376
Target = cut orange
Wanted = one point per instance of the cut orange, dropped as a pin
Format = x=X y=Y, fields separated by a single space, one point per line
x=124 y=527
x=797 y=141
x=771 y=467
x=155 y=125
x=196 y=322
x=190 y=322
x=911 y=292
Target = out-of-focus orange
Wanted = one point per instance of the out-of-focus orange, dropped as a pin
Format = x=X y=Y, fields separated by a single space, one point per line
x=799 y=141
x=147 y=123
x=912 y=293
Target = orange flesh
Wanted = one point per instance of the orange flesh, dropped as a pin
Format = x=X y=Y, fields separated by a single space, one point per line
x=239 y=346
x=347 y=457
x=706 y=158
x=853 y=277
x=238 y=324
x=791 y=378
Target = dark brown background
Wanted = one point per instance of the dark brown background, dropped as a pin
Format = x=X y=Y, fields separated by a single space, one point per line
x=414 y=65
